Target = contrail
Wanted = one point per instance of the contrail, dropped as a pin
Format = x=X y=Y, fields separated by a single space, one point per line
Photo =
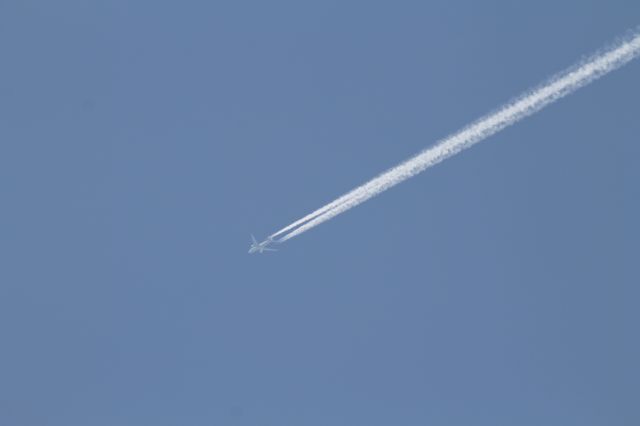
x=527 y=104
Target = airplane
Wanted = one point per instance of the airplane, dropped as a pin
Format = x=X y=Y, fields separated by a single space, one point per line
x=260 y=247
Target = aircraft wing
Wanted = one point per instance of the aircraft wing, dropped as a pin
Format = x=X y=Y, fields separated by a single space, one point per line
x=269 y=249
x=253 y=239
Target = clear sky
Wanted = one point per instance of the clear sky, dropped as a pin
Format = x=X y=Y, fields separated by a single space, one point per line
x=142 y=141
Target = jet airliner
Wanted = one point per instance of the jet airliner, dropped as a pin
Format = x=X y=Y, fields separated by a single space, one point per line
x=260 y=247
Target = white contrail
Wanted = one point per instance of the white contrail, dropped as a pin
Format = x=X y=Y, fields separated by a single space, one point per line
x=316 y=213
x=532 y=101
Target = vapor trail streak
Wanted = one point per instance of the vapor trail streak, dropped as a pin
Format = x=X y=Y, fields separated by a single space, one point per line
x=529 y=103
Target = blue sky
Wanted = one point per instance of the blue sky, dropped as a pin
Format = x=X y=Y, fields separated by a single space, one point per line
x=141 y=143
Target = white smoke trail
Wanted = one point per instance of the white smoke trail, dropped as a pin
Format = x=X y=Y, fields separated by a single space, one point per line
x=531 y=102
x=314 y=214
